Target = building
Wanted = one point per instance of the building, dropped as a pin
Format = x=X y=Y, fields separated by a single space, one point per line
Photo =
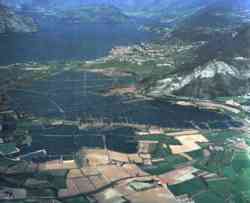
x=147 y=146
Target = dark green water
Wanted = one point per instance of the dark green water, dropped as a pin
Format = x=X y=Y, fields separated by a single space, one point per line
x=84 y=99
x=69 y=41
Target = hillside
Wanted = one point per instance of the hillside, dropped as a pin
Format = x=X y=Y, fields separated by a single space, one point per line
x=12 y=22
x=208 y=71
x=220 y=62
x=217 y=18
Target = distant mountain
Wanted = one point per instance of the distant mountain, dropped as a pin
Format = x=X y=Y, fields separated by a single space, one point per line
x=221 y=13
x=214 y=19
x=92 y=14
x=124 y=4
x=159 y=7
x=74 y=11
x=12 y=22
x=173 y=10
x=165 y=7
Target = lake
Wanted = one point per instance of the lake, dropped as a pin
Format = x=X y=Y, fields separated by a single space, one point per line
x=75 y=95
x=69 y=41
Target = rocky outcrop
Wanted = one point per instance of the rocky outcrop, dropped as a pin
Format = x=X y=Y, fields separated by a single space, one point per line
x=216 y=78
x=11 y=22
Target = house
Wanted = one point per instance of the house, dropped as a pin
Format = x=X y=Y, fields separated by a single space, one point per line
x=147 y=147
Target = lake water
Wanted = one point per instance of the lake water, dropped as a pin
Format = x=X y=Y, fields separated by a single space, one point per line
x=69 y=41
x=72 y=95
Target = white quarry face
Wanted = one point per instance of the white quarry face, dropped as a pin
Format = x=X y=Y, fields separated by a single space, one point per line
x=213 y=68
